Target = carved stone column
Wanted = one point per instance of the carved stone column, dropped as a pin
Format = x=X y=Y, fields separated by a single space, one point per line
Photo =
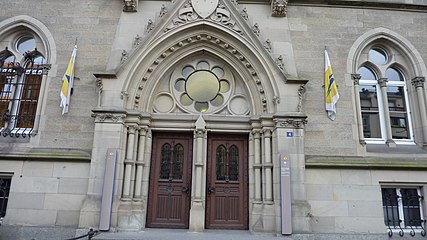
x=267 y=166
x=197 y=210
x=356 y=79
x=140 y=163
x=389 y=136
x=418 y=83
x=257 y=164
x=129 y=162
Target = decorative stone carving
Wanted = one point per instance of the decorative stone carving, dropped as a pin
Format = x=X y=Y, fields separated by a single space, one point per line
x=291 y=123
x=280 y=64
x=255 y=29
x=124 y=94
x=124 y=57
x=150 y=25
x=279 y=8
x=244 y=14
x=276 y=100
x=301 y=91
x=204 y=8
x=108 y=117
x=137 y=41
x=382 y=82
x=130 y=5
x=188 y=14
x=356 y=78
x=418 y=82
x=163 y=11
x=223 y=17
x=267 y=45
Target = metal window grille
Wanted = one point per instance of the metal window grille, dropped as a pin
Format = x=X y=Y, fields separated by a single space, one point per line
x=4 y=194
x=402 y=208
x=19 y=94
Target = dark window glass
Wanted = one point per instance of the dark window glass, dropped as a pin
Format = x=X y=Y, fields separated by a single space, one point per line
x=166 y=160
x=4 y=194
x=411 y=206
x=390 y=207
x=370 y=111
x=378 y=56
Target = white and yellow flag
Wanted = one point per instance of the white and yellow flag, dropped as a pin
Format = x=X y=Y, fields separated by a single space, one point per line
x=67 y=83
x=331 y=91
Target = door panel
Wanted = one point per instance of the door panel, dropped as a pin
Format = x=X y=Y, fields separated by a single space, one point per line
x=170 y=181
x=227 y=182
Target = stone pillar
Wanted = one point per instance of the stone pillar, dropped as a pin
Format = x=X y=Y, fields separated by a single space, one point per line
x=140 y=163
x=356 y=79
x=129 y=163
x=288 y=140
x=418 y=83
x=267 y=166
x=257 y=165
x=197 y=211
x=109 y=129
x=383 y=86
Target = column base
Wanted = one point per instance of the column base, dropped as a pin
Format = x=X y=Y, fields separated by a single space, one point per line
x=197 y=217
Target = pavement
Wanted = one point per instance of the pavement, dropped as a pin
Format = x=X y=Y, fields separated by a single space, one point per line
x=184 y=234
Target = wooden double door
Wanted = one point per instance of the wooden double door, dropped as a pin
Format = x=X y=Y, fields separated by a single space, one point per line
x=226 y=181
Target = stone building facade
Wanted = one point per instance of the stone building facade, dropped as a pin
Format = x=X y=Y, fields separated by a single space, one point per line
x=210 y=115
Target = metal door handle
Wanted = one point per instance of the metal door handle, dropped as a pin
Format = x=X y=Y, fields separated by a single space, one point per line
x=185 y=189
x=211 y=189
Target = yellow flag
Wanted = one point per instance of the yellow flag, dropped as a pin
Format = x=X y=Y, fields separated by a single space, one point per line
x=331 y=91
x=67 y=83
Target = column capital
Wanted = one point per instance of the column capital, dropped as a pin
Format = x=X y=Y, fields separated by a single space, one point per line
x=418 y=82
x=382 y=82
x=199 y=133
x=109 y=117
x=356 y=78
x=256 y=133
x=291 y=122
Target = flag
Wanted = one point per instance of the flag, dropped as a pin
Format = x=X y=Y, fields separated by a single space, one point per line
x=331 y=91
x=67 y=83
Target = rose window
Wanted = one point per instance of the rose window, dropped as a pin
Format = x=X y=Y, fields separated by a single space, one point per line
x=201 y=87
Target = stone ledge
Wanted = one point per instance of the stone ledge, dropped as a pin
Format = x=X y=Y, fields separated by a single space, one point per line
x=391 y=163
x=70 y=155
x=394 y=5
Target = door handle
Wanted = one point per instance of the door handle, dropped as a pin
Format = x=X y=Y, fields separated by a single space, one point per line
x=211 y=190
x=185 y=189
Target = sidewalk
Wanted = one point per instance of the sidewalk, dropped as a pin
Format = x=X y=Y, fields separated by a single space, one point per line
x=184 y=234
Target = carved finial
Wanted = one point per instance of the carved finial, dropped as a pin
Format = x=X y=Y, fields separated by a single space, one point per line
x=124 y=56
x=279 y=8
x=150 y=25
x=136 y=41
x=267 y=45
x=244 y=14
x=280 y=64
x=163 y=10
x=255 y=29
x=130 y=5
